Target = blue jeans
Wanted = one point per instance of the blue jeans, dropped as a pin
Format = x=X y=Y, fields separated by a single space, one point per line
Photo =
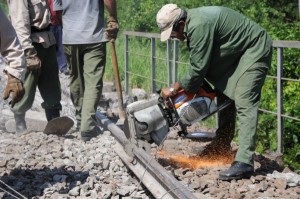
x=60 y=55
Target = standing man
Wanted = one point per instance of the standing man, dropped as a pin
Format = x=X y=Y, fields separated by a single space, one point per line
x=84 y=39
x=31 y=20
x=11 y=49
x=234 y=54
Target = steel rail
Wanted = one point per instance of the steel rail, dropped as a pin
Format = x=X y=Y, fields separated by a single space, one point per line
x=154 y=177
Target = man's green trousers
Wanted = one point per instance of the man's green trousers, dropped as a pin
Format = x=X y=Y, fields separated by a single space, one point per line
x=87 y=66
x=46 y=80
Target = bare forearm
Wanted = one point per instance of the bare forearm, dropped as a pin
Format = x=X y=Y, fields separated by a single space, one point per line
x=111 y=7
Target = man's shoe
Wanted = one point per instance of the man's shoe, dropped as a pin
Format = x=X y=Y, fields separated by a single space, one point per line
x=238 y=170
x=87 y=136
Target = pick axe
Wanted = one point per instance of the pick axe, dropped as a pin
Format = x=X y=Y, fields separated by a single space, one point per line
x=117 y=78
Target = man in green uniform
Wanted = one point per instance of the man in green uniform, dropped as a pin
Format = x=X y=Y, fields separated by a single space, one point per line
x=231 y=52
x=31 y=20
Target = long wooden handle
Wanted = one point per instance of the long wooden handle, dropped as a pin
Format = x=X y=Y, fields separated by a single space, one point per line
x=117 y=78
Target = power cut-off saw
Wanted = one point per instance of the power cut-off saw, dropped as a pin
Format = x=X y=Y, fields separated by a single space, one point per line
x=150 y=121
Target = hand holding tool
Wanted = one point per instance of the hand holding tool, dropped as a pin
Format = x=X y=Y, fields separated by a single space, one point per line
x=14 y=86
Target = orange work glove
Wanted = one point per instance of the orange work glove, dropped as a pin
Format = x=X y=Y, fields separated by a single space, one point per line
x=14 y=86
x=112 y=28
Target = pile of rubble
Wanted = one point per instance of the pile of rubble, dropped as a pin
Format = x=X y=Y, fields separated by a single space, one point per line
x=36 y=165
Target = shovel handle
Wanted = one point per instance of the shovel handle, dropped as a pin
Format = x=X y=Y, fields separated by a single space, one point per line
x=117 y=78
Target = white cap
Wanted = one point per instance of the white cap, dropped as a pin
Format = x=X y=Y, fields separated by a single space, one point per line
x=165 y=19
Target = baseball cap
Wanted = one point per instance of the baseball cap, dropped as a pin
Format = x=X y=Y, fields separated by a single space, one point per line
x=165 y=19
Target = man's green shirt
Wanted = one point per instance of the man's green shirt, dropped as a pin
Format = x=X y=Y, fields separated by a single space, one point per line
x=223 y=44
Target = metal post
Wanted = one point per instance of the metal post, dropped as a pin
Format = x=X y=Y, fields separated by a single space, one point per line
x=175 y=60
x=279 y=100
x=169 y=64
x=153 y=86
x=126 y=66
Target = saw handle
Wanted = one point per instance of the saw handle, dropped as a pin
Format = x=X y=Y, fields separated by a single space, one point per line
x=174 y=112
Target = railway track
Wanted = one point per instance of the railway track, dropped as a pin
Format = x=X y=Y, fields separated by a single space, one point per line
x=160 y=178
x=154 y=177
x=177 y=172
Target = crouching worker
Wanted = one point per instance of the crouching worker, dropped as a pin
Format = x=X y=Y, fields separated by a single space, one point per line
x=234 y=54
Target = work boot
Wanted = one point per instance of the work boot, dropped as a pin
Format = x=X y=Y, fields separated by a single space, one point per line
x=52 y=113
x=88 y=135
x=238 y=170
x=20 y=123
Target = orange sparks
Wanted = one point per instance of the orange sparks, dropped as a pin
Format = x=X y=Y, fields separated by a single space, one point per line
x=195 y=162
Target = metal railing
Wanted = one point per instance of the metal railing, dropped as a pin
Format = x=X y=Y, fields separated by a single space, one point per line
x=172 y=66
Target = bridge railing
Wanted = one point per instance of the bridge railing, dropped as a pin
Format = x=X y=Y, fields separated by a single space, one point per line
x=172 y=60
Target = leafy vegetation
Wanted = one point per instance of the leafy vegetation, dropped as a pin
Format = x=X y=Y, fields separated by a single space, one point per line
x=3 y=5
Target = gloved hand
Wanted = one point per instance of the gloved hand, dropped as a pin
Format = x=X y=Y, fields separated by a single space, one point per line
x=32 y=60
x=14 y=86
x=112 y=28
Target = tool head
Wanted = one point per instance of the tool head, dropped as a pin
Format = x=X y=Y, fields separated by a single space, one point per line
x=59 y=126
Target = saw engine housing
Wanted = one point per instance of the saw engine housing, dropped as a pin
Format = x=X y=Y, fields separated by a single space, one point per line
x=193 y=107
x=150 y=121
